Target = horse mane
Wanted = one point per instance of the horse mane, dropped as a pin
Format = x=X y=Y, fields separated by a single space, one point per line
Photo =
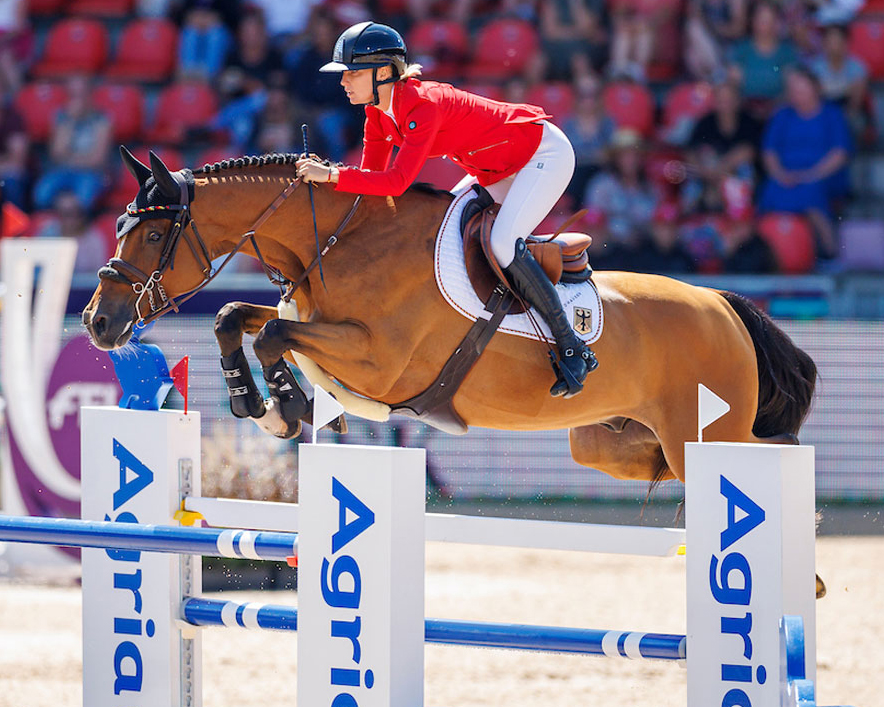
x=290 y=158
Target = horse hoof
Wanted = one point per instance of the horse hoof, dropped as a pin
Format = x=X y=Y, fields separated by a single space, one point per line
x=274 y=424
x=820 y=588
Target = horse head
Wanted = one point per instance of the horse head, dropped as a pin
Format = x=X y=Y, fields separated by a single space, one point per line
x=148 y=273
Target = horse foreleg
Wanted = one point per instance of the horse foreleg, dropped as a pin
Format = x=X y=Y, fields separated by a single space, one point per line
x=287 y=405
x=344 y=346
x=232 y=321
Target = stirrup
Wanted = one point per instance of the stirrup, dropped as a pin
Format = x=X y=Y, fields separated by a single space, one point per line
x=567 y=384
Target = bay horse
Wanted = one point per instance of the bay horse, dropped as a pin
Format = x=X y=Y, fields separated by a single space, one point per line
x=375 y=321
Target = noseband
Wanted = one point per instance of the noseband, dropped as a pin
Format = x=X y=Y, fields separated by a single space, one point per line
x=182 y=226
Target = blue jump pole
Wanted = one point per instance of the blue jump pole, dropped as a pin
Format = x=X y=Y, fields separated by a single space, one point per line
x=212 y=542
x=550 y=639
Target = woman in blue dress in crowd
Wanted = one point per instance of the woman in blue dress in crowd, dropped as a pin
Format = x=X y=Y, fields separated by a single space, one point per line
x=806 y=147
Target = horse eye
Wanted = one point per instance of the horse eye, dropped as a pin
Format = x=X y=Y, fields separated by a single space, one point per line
x=154 y=236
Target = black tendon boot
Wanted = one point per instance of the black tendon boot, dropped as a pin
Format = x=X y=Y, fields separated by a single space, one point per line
x=245 y=399
x=576 y=359
x=284 y=389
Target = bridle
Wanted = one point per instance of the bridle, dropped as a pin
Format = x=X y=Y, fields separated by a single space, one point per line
x=181 y=227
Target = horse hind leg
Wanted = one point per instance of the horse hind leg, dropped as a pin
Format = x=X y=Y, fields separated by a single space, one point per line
x=633 y=452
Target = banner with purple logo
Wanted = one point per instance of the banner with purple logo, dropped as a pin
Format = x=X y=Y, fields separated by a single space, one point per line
x=44 y=385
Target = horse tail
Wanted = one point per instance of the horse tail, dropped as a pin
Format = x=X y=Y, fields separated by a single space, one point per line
x=786 y=374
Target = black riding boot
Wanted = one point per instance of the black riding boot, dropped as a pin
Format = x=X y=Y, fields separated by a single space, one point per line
x=576 y=359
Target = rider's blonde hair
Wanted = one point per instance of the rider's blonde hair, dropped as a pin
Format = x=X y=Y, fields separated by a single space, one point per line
x=407 y=71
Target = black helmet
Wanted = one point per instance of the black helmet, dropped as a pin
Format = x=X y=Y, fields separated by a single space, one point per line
x=367 y=45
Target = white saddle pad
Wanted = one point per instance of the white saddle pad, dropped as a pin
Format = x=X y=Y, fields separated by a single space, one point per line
x=581 y=302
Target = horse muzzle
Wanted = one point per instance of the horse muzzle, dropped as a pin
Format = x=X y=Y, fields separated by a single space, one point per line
x=108 y=330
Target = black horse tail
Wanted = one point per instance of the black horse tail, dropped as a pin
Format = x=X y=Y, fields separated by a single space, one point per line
x=786 y=374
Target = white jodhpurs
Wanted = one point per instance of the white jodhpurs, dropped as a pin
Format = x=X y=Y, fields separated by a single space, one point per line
x=527 y=196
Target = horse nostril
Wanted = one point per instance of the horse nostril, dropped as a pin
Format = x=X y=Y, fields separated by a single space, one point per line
x=99 y=325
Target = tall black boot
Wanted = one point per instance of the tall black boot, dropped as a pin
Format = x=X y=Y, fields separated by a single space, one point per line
x=576 y=359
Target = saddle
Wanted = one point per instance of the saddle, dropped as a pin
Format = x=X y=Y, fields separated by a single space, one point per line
x=563 y=257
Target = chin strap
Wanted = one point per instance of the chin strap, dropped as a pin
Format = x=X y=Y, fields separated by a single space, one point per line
x=375 y=83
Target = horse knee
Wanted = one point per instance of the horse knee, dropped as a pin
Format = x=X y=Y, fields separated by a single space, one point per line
x=229 y=327
x=269 y=344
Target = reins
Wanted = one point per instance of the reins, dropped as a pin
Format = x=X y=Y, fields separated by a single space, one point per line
x=143 y=284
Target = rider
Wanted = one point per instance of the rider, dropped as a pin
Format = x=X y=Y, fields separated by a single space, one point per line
x=524 y=161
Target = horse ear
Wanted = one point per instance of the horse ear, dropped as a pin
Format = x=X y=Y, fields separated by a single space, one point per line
x=138 y=169
x=163 y=177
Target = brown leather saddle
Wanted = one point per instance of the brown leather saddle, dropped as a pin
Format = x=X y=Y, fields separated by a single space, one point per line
x=562 y=256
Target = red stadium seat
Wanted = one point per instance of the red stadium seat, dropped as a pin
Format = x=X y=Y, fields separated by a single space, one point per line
x=630 y=105
x=107 y=225
x=216 y=154
x=125 y=187
x=45 y=7
x=441 y=173
x=124 y=104
x=867 y=42
x=557 y=99
x=503 y=49
x=37 y=103
x=441 y=46
x=791 y=239
x=74 y=46
x=687 y=101
x=100 y=8
x=148 y=50
x=181 y=107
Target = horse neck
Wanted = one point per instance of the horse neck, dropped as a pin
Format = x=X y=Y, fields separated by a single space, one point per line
x=227 y=205
x=384 y=235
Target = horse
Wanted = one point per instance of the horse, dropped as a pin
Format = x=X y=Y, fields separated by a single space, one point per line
x=372 y=318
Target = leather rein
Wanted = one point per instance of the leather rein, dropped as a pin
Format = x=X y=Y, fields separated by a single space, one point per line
x=144 y=285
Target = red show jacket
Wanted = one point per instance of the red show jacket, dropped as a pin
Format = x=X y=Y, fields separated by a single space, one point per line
x=489 y=139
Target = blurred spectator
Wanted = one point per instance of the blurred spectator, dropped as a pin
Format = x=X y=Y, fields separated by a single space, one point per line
x=806 y=149
x=253 y=59
x=275 y=128
x=760 y=61
x=16 y=43
x=723 y=144
x=228 y=10
x=622 y=192
x=710 y=28
x=286 y=18
x=632 y=41
x=320 y=94
x=604 y=252
x=843 y=78
x=573 y=38
x=204 y=42
x=836 y=12
x=69 y=221
x=14 y=148
x=590 y=130
x=79 y=146
x=744 y=251
x=662 y=251
x=251 y=67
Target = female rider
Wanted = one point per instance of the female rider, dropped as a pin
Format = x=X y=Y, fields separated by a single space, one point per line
x=523 y=160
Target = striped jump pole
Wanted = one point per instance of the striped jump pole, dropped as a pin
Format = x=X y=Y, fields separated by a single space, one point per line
x=209 y=542
x=545 y=639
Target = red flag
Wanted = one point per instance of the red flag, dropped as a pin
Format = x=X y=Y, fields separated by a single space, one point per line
x=179 y=378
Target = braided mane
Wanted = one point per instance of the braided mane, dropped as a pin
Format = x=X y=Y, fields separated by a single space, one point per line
x=276 y=158
x=290 y=158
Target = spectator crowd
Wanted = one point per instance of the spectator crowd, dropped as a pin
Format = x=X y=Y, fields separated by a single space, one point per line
x=710 y=135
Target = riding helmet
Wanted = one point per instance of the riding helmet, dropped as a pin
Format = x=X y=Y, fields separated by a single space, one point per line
x=366 y=45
